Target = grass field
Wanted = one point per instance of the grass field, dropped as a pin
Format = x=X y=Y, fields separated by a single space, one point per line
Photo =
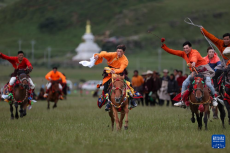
x=77 y=125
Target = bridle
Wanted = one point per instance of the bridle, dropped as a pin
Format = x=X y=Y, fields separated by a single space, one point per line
x=123 y=90
x=196 y=81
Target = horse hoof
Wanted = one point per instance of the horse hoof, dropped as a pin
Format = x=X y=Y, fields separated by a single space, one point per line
x=126 y=127
x=54 y=106
x=24 y=114
x=21 y=115
x=16 y=117
x=12 y=118
x=193 y=120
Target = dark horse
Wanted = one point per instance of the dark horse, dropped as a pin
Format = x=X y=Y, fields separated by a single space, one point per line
x=53 y=94
x=199 y=100
x=20 y=95
x=224 y=91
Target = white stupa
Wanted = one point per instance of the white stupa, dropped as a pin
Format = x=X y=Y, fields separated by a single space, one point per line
x=86 y=49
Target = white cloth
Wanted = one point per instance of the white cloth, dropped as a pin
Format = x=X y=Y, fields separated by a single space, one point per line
x=12 y=80
x=90 y=63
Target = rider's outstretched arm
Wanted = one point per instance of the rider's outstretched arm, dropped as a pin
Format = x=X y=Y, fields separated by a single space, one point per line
x=210 y=36
x=174 y=52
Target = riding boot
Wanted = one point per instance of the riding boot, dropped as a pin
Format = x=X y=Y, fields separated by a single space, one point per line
x=214 y=101
x=107 y=106
x=133 y=103
x=46 y=93
x=61 y=95
x=180 y=103
x=10 y=95
x=31 y=91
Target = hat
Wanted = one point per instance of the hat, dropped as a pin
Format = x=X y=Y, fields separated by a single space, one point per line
x=226 y=52
x=149 y=72
x=165 y=71
x=144 y=73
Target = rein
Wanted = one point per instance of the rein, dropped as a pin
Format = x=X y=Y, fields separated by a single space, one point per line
x=123 y=93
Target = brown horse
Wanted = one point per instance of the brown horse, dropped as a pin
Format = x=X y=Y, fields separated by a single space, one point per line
x=53 y=94
x=119 y=102
x=20 y=96
x=199 y=100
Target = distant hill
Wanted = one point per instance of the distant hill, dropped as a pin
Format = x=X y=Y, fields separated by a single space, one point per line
x=60 y=24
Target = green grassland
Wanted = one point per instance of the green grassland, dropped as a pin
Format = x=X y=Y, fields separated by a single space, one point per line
x=77 y=125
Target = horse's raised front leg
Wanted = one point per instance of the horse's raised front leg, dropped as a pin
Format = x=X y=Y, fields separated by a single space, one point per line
x=116 y=118
x=112 y=119
x=126 y=109
x=11 y=110
x=222 y=113
x=16 y=107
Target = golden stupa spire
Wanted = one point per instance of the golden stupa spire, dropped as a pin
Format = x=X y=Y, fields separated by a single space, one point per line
x=88 y=27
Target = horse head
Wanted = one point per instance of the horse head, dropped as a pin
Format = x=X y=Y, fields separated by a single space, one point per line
x=198 y=87
x=23 y=81
x=118 y=88
x=55 y=86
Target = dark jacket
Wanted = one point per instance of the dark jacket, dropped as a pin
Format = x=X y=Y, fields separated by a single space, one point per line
x=148 y=85
x=156 y=84
x=173 y=86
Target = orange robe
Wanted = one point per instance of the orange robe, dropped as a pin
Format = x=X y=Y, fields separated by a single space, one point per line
x=218 y=42
x=117 y=64
x=193 y=56
x=55 y=76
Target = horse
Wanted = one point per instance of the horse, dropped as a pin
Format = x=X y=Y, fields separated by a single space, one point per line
x=199 y=99
x=20 y=95
x=224 y=91
x=53 y=94
x=119 y=102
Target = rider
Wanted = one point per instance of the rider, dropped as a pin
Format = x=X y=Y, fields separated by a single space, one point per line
x=193 y=56
x=54 y=75
x=221 y=45
x=19 y=63
x=118 y=62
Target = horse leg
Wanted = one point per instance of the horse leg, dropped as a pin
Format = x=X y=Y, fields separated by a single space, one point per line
x=193 y=118
x=198 y=119
x=126 y=109
x=206 y=116
x=55 y=104
x=16 y=107
x=24 y=109
x=11 y=110
x=112 y=119
x=222 y=113
x=21 y=111
x=121 y=119
x=116 y=118
x=201 y=116
x=227 y=105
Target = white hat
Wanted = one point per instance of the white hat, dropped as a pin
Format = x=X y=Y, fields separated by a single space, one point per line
x=226 y=52
x=149 y=72
x=144 y=73
x=165 y=71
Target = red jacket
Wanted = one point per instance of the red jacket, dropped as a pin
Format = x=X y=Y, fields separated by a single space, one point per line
x=14 y=61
